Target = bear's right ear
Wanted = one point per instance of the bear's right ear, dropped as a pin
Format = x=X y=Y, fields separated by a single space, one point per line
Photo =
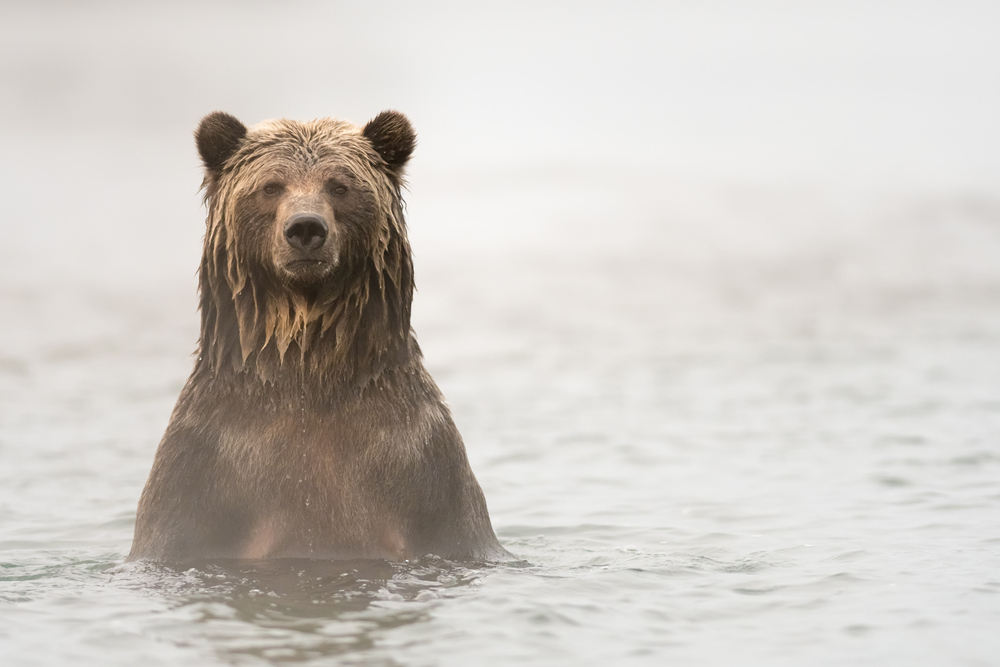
x=218 y=136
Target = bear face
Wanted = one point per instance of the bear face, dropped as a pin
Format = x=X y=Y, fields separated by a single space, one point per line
x=306 y=237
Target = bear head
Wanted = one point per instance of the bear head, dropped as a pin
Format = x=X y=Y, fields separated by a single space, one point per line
x=306 y=242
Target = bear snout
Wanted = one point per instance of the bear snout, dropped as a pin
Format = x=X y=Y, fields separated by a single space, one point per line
x=307 y=244
x=306 y=232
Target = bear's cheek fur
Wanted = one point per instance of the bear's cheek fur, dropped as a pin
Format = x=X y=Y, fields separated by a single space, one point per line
x=357 y=223
x=256 y=235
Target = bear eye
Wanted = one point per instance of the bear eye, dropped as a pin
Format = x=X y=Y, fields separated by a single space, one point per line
x=338 y=189
x=272 y=189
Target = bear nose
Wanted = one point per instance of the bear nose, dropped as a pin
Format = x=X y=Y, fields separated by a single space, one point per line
x=306 y=231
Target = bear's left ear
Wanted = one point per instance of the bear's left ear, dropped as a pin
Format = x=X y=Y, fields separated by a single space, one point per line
x=393 y=138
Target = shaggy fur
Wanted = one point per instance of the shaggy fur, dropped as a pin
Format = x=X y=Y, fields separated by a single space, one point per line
x=309 y=426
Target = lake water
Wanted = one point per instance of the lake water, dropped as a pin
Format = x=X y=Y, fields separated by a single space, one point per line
x=719 y=424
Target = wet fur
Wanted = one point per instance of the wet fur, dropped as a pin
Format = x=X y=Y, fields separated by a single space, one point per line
x=309 y=426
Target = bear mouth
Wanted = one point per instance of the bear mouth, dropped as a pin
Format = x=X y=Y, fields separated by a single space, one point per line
x=305 y=262
x=307 y=270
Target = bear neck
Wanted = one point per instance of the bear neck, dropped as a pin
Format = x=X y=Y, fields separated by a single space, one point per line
x=342 y=339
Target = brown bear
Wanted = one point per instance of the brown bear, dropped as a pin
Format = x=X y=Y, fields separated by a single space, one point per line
x=309 y=427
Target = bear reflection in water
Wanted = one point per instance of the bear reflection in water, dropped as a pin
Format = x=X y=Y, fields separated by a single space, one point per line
x=309 y=427
x=297 y=609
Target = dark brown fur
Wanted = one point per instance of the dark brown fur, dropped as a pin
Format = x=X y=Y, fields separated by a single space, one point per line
x=309 y=426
